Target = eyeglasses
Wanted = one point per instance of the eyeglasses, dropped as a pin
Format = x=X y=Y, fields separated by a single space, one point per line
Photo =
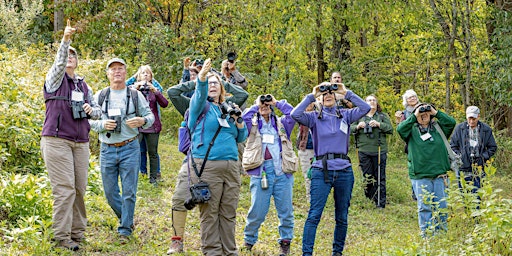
x=412 y=97
x=330 y=87
x=265 y=98
x=213 y=83
x=72 y=55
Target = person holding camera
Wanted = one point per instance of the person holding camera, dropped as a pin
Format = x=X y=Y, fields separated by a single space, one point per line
x=474 y=141
x=214 y=152
x=372 y=147
x=143 y=149
x=267 y=160
x=188 y=68
x=178 y=96
x=65 y=142
x=149 y=137
x=428 y=163
x=332 y=169
x=230 y=73
x=124 y=111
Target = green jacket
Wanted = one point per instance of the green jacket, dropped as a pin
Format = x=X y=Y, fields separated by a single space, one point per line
x=369 y=143
x=429 y=158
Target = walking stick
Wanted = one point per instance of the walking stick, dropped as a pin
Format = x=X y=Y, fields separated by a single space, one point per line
x=378 y=172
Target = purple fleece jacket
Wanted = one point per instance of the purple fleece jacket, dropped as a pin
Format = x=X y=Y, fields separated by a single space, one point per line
x=326 y=132
x=286 y=120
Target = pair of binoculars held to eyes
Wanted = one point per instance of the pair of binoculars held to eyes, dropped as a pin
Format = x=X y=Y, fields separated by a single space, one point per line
x=330 y=88
x=266 y=98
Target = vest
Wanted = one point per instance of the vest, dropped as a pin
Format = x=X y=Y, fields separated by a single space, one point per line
x=59 y=120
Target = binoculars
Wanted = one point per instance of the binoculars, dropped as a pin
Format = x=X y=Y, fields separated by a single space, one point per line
x=78 y=110
x=330 y=88
x=266 y=98
x=229 y=109
x=425 y=108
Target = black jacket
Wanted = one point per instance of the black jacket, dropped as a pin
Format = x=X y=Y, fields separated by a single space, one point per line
x=460 y=144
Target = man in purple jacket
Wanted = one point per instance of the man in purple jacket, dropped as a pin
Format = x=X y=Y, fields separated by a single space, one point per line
x=332 y=168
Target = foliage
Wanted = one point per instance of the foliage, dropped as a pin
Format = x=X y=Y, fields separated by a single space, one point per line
x=20 y=109
x=16 y=18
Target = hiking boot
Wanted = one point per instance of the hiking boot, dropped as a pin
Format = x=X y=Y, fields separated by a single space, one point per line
x=78 y=240
x=248 y=246
x=176 y=245
x=68 y=244
x=337 y=254
x=285 y=247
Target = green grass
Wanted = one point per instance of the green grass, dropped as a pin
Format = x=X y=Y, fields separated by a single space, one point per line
x=390 y=231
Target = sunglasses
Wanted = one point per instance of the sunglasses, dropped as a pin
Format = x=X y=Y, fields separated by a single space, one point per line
x=266 y=98
x=330 y=88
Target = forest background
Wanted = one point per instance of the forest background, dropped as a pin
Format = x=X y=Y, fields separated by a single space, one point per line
x=453 y=53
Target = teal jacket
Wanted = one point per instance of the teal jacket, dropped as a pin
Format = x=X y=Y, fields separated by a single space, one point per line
x=426 y=158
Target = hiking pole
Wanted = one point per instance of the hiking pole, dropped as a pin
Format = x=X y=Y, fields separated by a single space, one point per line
x=378 y=177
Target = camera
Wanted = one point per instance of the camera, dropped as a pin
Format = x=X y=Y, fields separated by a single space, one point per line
x=78 y=109
x=199 y=194
x=330 y=88
x=228 y=108
x=266 y=98
x=425 y=108
x=231 y=57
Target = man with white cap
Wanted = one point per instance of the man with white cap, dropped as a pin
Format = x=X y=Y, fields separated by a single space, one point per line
x=65 y=142
x=473 y=140
x=124 y=110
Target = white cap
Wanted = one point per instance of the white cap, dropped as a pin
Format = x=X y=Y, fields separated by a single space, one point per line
x=472 y=111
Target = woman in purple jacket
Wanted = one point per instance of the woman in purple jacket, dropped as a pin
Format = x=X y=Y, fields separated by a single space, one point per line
x=151 y=135
x=330 y=130
x=270 y=178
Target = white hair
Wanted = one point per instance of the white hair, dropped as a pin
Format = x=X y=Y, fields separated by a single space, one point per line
x=407 y=94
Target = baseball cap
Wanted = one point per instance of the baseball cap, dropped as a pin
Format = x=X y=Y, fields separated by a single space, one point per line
x=472 y=111
x=114 y=60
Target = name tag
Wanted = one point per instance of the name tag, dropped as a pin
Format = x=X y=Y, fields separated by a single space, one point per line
x=223 y=122
x=426 y=136
x=268 y=138
x=77 y=96
x=343 y=127
x=114 y=112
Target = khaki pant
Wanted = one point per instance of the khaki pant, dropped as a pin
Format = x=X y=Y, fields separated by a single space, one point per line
x=67 y=163
x=181 y=191
x=305 y=157
x=218 y=216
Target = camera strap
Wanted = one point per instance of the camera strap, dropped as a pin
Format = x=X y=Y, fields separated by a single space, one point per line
x=200 y=172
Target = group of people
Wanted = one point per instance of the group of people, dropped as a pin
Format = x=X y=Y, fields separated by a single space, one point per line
x=228 y=139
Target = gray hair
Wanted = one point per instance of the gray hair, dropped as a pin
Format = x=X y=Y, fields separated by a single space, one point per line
x=407 y=94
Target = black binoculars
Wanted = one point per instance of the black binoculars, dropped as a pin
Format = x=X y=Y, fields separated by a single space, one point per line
x=78 y=110
x=425 y=108
x=266 y=98
x=229 y=109
x=368 y=129
x=118 y=123
x=330 y=88
x=199 y=62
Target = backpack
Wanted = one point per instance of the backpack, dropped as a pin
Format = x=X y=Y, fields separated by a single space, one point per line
x=132 y=94
x=184 y=134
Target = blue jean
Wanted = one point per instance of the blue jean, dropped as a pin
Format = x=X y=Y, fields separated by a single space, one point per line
x=144 y=157
x=281 y=188
x=431 y=197
x=121 y=162
x=342 y=181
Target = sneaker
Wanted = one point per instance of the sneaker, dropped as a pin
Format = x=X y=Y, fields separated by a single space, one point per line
x=248 y=246
x=124 y=239
x=78 y=239
x=176 y=245
x=68 y=244
x=285 y=247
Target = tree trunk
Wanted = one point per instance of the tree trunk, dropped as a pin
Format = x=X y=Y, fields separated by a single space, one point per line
x=58 y=16
x=319 y=46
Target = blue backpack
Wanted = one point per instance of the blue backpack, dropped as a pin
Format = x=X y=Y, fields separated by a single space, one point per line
x=184 y=134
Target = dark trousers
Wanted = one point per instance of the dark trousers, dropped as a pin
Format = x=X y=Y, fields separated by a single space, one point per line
x=370 y=167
